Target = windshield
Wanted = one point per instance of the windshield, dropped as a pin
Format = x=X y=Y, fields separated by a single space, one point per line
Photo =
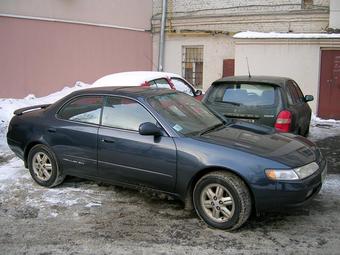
x=185 y=114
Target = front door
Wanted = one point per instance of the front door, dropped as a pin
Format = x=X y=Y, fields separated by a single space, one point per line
x=125 y=156
x=329 y=103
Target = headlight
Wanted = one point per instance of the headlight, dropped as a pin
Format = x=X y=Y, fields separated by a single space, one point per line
x=292 y=174
x=307 y=170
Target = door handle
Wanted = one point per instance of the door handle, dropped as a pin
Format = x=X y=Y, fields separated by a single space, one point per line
x=52 y=130
x=107 y=140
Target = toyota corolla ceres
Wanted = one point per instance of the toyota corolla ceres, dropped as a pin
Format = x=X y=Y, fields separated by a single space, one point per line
x=168 y=141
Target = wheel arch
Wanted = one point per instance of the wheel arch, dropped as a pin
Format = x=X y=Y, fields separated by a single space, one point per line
x=28 y=147
x=189 y=192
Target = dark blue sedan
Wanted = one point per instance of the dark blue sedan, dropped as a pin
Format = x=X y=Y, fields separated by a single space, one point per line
x=170 y=142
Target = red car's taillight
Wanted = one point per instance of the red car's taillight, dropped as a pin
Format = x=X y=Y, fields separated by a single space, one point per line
x=283 y=121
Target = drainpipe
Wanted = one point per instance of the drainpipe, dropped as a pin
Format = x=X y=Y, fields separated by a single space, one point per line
x=161 y=38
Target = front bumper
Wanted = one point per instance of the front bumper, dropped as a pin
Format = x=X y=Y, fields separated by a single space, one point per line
x=291 y=194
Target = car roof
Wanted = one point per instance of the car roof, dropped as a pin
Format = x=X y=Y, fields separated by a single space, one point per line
x=129 y=91
x=136 y=78
x=277 y=80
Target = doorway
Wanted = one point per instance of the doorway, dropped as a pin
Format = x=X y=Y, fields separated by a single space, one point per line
x=329 y=95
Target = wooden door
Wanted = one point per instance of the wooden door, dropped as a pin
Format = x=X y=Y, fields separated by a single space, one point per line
x=329 y=96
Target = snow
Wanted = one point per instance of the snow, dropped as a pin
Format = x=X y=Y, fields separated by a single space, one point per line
x=276 y=35
x=136 y=78
x=321 y=129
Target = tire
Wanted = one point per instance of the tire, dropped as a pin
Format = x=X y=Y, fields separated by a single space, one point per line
x=44 y=167
x=306 y=132
x=229 y=199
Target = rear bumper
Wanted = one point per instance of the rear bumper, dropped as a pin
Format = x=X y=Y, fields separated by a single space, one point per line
x=16 y=147
x=292 y=194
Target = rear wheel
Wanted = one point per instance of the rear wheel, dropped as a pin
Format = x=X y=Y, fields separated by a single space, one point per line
x=222 y=200
x=43 y=166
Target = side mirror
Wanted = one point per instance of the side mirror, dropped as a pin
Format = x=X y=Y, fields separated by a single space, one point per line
x=309 y=98
x=198 y=92
x=148 y=128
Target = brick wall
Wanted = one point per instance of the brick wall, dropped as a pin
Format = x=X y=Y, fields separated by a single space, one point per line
x=235 y=15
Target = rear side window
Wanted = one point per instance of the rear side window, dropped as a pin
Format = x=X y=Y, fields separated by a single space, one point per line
x=84 y=109
x=294 y=94
x=245 y=94
x=125 y=113
x=160 y=83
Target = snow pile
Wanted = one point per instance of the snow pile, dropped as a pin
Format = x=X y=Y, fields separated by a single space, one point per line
x=321 y=129
x=275 y=35
x=9 y=105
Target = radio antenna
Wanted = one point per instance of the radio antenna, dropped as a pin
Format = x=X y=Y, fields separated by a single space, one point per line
x=248 y=67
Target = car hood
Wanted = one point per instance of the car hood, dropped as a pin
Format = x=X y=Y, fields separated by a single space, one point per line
x=288 y=149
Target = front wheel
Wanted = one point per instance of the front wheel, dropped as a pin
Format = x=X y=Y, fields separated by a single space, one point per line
x=43 y=166
x=222 y=200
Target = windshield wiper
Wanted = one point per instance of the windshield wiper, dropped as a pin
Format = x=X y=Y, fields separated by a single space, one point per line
x=209 y=129
x=229 y=102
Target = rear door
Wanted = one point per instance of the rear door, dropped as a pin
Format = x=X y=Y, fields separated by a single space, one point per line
x=125 y=156
x=252 y=102
x=73 y=136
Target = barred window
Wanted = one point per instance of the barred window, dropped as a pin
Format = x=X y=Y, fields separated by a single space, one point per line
x=192 y=64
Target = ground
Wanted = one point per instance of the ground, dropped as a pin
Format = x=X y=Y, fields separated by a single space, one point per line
x=85 y=217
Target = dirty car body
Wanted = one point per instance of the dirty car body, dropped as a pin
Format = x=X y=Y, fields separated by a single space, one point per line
x=170 y=142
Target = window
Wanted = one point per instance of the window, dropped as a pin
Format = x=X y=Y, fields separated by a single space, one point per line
x=292 y=94
x=83 y=109
x=184 y=113
x=192 y=65
x=160 y=83
x=245 y=94
x=125 y=113
x=182 y=86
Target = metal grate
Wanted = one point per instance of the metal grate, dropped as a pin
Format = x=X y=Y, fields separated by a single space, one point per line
x=192 y=64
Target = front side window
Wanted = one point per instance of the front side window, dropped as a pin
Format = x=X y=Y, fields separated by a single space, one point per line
x=185 y=114
x=192 y=65
x=84 y=109
x=244 y=94
x=181 y=85
x=124 y=113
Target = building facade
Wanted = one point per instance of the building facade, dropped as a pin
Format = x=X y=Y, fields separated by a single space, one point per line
x=48 y=44
x=211 y=26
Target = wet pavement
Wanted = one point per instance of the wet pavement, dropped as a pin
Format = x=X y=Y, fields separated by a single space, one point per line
x=330 y=148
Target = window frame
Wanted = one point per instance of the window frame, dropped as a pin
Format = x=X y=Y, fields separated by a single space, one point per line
x=184 y=61
x=57 y=116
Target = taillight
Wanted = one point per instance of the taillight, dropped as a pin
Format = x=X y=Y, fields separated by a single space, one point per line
x=283 y=121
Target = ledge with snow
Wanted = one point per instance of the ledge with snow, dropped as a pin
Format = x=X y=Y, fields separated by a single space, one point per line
x=276 y=35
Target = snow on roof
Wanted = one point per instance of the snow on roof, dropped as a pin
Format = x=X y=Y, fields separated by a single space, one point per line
x=276 y=35
x=136 y=78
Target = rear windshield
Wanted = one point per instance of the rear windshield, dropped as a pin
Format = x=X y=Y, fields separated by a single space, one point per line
x=244 y=94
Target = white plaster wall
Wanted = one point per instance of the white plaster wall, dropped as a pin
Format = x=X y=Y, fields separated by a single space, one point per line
x=300 y=62
x=215 y=49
